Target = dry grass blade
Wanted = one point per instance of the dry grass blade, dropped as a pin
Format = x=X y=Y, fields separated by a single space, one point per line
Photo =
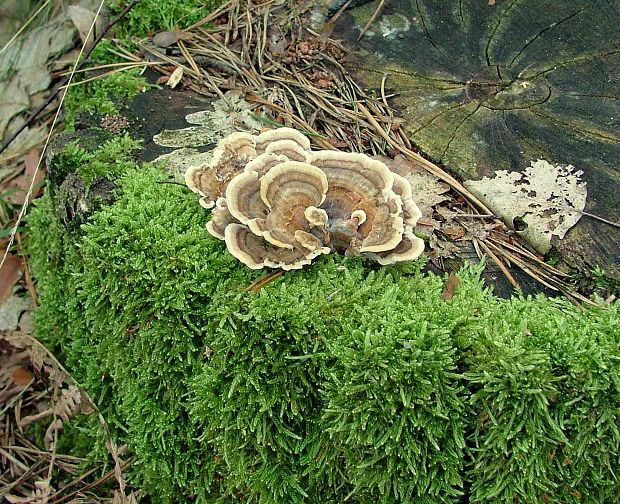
x=260 y=282
x=58 y=498
x=318 y=138
x=528 y=256
x=122 y=66
x=214 y=15
x=549 y=280
x=499 y=264
x=30 y=468
x=188 y=57
x=104 y=75
x=371 y=20
x=383 y=97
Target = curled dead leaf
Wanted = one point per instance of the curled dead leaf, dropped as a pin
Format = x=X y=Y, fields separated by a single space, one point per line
x=69 y=403
x=10 y=273
x=450 y=288
x=175 y=78
x=50 y=433
x=21 y=375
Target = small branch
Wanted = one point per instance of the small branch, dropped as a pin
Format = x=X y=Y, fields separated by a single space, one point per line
x=338 y=14
x=596 y=217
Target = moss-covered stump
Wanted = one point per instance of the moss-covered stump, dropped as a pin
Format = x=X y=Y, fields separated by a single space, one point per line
x=340 y=381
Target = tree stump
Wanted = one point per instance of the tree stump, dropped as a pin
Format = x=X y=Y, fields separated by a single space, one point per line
x=488 y=86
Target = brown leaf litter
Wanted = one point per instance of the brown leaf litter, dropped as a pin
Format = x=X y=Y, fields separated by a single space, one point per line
x=36 y=389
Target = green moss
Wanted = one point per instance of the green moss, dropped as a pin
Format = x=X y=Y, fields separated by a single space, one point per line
x=603 y=285
x=342 y=380
x=151 y=16
x=111 y=159
x=102 y=95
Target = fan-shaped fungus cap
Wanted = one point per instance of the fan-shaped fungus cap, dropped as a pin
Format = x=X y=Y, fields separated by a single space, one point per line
x=316 y=217
x=278 y=204
x=229 y=158
x=288 y=189
x=256 y=253
x=359 y=183
x=411 y=212
x=264 y=162
x=280 y=134
x=244 y=199
x=408 y=249
x=220 y=219
x=292 y=150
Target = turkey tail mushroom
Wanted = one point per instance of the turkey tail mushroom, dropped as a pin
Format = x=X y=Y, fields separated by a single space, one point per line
x=278 y=204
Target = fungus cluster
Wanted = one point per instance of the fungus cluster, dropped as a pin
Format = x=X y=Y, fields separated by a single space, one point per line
x=279 y=204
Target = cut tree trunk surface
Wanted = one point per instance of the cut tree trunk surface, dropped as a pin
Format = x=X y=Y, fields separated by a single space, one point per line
x=488 y=86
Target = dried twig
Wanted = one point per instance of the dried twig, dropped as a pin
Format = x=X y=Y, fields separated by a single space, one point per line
x=499 y=264
x=260 y=282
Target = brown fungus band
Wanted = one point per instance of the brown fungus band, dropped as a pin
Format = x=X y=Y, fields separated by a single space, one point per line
x=279 y=204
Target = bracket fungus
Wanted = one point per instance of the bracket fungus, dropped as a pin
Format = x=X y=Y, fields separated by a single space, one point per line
x=279 y=204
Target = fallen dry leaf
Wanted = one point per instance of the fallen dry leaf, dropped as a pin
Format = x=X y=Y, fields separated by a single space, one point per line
x=31 y=163
x=25 y=141
x=82 y=18
x=175 y=78
x=68 y=405
x=10 y=273
x=21 y=183
x=544 y=201
x=454 y=232
x=450 y=288
x=13 y=100
x=21 y=375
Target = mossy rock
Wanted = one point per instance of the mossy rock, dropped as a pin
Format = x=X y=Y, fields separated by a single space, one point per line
x=343 y=381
